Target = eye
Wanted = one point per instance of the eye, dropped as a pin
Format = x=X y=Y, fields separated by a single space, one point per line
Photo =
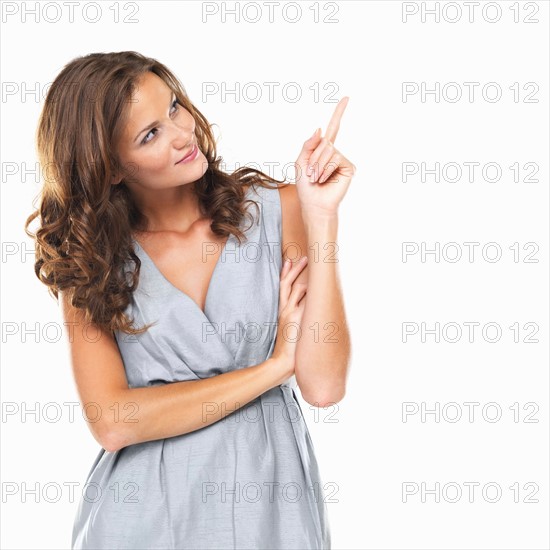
x=174 y=105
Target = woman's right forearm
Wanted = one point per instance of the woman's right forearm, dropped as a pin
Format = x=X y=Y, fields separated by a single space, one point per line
x=158 y=412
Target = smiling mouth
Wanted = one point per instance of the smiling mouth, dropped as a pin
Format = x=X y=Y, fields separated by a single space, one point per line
x=191 y=153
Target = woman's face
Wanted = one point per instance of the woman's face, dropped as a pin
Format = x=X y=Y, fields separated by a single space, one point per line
x=158 y=134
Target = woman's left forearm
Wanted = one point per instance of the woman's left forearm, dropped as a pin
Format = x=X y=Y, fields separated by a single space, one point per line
x=323 y=350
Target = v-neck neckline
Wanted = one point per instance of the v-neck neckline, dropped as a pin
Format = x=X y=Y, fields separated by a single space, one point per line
x=177 y=290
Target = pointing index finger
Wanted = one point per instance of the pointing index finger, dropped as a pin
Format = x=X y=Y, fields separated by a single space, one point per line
x=334 y=124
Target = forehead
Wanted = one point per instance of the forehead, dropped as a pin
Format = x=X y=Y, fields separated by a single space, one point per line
x=147 y=102
x=149 y=86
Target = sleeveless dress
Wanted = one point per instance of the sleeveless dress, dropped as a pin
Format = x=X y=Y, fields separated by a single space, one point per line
x=247 y=481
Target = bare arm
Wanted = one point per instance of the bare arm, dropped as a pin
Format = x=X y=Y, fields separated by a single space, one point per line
x=182 y=407
x=323 y=354
x=119 y=416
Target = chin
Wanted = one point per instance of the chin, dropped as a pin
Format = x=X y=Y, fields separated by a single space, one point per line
x=202 y=164
x=197 y=171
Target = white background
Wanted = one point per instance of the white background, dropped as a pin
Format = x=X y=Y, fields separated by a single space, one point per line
x=368 y=52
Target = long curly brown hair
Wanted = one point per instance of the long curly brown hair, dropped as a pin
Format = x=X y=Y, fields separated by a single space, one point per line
x=85 y=238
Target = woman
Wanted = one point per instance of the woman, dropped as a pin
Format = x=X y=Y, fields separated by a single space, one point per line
x=181 y=337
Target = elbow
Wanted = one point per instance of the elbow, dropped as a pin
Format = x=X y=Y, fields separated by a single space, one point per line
x=328 y=392
x=109 y=439
x=327 y=398
x=325 y=390
x=323 y=403
x=110 y=444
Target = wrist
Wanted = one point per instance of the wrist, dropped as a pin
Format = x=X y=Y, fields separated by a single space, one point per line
x=281 y=368
x=316 y=213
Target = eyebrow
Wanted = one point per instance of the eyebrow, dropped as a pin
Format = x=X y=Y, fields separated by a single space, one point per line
x=153 y=124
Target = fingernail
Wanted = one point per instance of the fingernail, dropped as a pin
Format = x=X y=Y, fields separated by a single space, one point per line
x=315 y=133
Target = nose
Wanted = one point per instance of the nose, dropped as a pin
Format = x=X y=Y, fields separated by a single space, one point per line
x=183 y=134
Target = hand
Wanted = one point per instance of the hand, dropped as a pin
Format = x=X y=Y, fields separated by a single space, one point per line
x=331 y=171
x=292 y=303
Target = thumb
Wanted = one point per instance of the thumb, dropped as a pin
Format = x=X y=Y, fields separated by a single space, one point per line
x=309 y=146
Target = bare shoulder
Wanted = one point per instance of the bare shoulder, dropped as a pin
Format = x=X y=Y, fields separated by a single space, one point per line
x=294 y=243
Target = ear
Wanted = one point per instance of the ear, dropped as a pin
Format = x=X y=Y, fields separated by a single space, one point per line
x=116 y=178
x=117 y=174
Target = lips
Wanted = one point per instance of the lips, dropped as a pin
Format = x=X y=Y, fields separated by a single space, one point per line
x=191 y=151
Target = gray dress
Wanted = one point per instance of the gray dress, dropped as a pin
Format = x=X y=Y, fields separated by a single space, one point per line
x=247 y=481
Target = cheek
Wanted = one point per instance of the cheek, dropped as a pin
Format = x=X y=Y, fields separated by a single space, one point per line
x=155 y=160
x=160 y=159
